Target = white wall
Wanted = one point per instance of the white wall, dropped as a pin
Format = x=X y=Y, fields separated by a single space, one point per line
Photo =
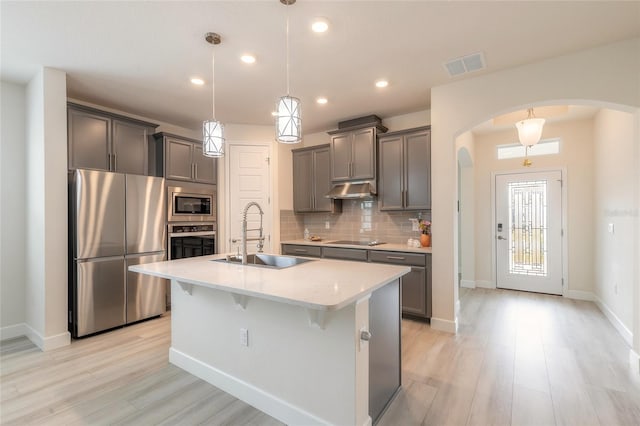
x=606 y=75
x=576 y=156
x=12 y=209
x=615 y=204
x=465 y=147
x=46 y=206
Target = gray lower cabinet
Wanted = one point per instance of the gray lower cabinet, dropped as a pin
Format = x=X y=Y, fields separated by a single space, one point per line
x=311 y=181
x=100 y=140
x=405 y=170
x=416 y=285
x=180 y=158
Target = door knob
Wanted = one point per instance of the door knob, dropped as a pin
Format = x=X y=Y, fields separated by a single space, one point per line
x=500 y=237
x=365 y=335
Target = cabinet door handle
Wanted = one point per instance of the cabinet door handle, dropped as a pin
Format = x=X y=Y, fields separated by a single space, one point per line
x=195 y=170
x=395 y=257
x=300 y=250
x=115 y=162
x=192 y=172
x=109 y=160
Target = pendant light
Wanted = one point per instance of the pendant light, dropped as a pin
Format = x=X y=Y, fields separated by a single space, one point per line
x=530 y=129
x=288 y=122
x=213 y=130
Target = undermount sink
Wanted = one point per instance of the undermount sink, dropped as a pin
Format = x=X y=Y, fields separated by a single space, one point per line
x=266 y=260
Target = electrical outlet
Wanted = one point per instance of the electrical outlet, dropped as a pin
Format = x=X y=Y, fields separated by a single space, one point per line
x=244 y=337
x=611 y=228
x=327 y=225
x=414 y=225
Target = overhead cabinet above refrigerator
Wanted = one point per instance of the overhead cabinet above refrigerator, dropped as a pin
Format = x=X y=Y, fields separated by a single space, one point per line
x=115 y=220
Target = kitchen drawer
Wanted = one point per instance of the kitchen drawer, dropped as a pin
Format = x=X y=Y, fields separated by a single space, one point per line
x=399 y=258
x=301 y=250
x=345 y=253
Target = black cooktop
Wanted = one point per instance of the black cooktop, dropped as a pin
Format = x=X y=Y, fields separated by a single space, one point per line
x=357 y=243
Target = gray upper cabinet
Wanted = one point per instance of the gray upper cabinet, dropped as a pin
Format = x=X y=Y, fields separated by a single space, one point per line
x=353 y=154
x=103 y=141
x=182 y=159
x=311 y=180
x=405 y=170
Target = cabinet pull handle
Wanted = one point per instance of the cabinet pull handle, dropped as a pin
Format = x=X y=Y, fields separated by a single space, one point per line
x=115 y=162
x=300 y=250
x=195 y=170
x=395 y=257
x=192 y=173
x=109 y=160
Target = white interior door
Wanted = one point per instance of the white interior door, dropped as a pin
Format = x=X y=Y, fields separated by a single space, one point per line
x=249 y=181
x=529 y=231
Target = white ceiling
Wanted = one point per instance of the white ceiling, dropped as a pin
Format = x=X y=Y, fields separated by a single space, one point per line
x=139 y=56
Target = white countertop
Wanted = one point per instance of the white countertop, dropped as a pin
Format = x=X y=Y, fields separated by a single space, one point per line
x=386 y=246
x=321 y=284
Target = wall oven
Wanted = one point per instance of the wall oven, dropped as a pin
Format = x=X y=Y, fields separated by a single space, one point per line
x=191 y=240
x=191 y=205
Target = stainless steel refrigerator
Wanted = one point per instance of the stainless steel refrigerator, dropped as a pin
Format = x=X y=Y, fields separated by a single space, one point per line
x=115 y=220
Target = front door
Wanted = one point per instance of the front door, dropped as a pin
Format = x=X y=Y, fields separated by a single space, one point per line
x=529 y=231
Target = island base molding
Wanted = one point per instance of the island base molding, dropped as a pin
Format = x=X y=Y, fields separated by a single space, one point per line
x=244 y=391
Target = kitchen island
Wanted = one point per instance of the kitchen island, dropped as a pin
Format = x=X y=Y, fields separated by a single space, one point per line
x=292 y=342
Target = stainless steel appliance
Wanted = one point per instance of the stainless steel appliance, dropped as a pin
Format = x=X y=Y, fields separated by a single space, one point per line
x=115 y=220
x=193 y=204
x=191 y=239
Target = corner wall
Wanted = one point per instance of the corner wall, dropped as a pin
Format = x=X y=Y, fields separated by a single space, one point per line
x=12 y=208
x=615 y=205
x=46 y=207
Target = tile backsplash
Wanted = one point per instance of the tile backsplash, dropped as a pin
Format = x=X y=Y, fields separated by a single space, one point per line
x=359 y=220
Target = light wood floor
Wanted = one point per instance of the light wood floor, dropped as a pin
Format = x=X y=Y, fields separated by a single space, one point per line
x=518 y=359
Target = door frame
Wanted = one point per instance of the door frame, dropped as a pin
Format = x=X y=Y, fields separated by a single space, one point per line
x=563 y=219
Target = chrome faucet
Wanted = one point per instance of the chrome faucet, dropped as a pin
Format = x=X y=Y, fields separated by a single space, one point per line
x=260 y=239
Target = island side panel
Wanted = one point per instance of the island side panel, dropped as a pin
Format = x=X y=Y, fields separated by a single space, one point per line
x=295 y=372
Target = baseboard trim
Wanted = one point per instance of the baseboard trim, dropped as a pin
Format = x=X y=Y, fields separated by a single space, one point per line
x=246 y=392
x=13 y=331
x=486 y=284
x=468 y=283
x=47 y=343
x=634 y=361
x=614 y=320
x=444 y=325
x=580 y=295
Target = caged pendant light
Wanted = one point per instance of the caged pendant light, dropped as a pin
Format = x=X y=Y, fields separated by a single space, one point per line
x=288 y=121
x=213 y=130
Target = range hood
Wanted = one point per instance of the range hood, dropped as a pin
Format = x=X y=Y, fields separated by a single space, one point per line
x=351 y=190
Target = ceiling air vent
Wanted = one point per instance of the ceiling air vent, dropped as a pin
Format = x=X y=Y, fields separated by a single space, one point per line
x=465 y=64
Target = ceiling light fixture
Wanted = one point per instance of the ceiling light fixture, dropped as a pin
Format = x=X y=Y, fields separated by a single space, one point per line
x=248 y=59
x=382 y=83
x=197 y=81
x=322 y=101
x=320 y=25
x=213 y=130
x=529 y=133
x=288 y=122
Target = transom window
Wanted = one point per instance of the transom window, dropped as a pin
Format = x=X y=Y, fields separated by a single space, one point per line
x=516 y=150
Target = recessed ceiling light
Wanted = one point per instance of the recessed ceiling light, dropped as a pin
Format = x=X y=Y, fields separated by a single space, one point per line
x=197 y=81
x=382 y=83
x=248 y=59
x=320 y=25
x=322 y=100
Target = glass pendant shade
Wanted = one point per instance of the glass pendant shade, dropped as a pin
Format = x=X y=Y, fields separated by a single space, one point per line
x=288 y=121
x=212 y=138
x=530 y=131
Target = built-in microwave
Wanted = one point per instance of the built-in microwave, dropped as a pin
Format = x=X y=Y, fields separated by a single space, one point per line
x=191 y=204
